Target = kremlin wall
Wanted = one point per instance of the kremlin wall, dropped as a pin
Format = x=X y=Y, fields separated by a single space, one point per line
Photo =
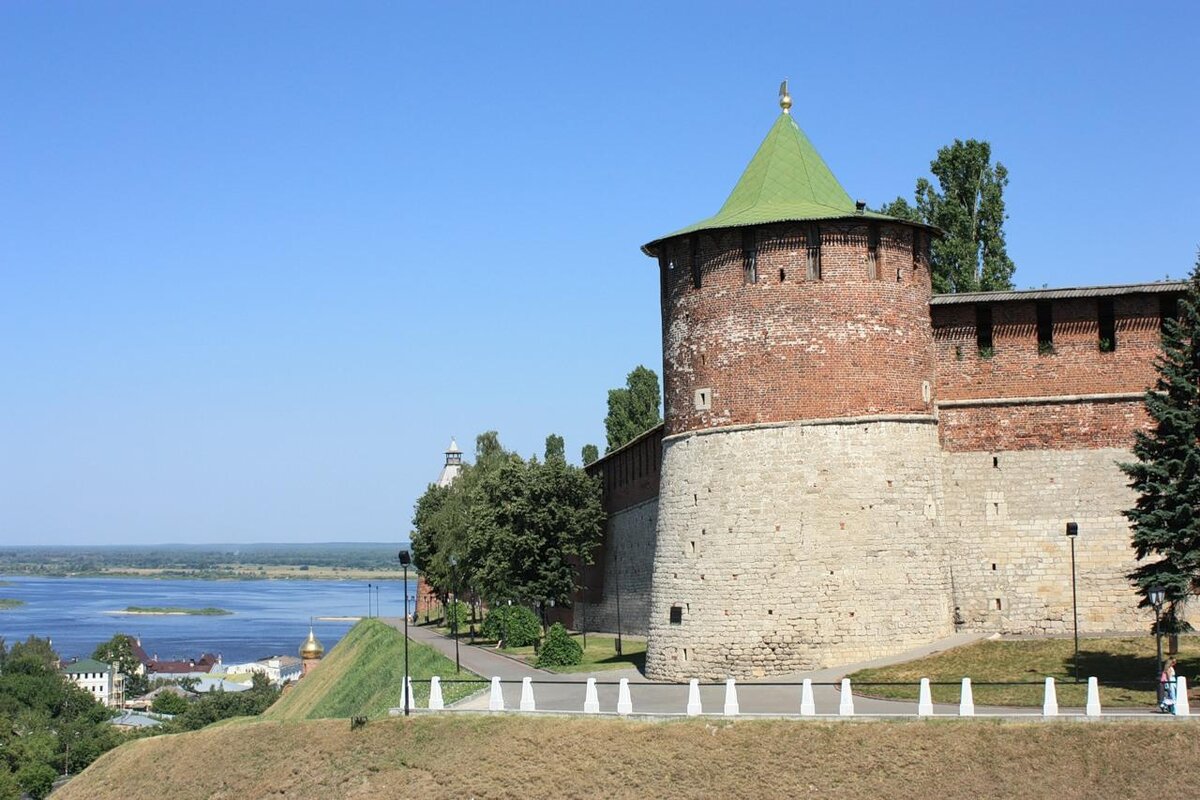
x=850 y=466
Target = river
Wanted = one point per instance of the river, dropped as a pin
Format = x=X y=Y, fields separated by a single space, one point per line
x=269 y=616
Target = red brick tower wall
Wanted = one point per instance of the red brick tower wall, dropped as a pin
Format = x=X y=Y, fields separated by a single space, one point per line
x=857 y=341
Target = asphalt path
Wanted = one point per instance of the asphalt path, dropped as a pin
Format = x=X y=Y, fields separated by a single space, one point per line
x=776 y=696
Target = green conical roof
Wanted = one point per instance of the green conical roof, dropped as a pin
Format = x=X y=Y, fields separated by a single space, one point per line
x=787 y=180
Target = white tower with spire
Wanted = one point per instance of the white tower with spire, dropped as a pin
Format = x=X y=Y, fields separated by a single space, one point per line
x=453 y=464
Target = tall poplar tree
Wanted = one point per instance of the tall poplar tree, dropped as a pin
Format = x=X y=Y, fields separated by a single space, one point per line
x=968 y=206
x=633 y=408
x=1165 y=521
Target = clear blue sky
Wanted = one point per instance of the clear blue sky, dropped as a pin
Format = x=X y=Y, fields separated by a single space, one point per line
x=260 y=261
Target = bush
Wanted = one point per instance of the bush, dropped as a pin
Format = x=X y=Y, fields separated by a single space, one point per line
x=169 y=703
x=559 y=649
x=37 y=779
x=517 y=625
x=460 y=611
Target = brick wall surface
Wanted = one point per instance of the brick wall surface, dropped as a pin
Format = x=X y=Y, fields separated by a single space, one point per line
x=1076 y=365
x=1042 y=426
x=788 y=347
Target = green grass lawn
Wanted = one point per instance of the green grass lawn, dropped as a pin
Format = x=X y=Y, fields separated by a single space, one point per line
x=599 y=655
x=1125 y=668
x=362 y=675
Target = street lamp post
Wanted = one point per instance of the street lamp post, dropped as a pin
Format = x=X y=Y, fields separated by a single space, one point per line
x=405 y=560
x=369 y=595
x=1072 y=533
x=454 y=610
x=1156 y=595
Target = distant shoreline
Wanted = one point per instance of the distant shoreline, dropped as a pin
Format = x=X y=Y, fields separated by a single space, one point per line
x=9 y=602
x=338 y=619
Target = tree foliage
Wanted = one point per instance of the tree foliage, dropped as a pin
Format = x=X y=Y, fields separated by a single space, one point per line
x=632 y=409
x=589 y=453
x=535 y=523
x=442 y=521
x=118 y=651
x=968 y=205
x=516 y=626
x=556 y=448
x=1165 y=521
x=47 y=723
x=513 y=529
x=169 y=703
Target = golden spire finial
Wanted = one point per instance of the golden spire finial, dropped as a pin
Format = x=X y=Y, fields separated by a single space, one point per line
x=785 y=99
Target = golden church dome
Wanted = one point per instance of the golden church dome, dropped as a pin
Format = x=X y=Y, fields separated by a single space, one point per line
x=312 y=647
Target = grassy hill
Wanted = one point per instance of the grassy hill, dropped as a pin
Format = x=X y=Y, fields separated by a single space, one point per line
x=362 y=674
x=481 y=756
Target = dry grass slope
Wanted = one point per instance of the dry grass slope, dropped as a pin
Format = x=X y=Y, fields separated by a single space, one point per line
x=361 y=676
x=446 y=756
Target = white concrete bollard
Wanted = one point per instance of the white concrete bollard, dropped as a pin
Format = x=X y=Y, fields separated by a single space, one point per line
x=846 y=706
x=924 y=700
x=624 y=701
x=1182 y=709
x=1093 y=698
x=591 y=702
x=693 y=706
x=496 y=701
x=731 y=701
x=1050 y=703
x=527 y=703
x=966 y=700
x=435 y=694
x=807 y=707
x=408 y=688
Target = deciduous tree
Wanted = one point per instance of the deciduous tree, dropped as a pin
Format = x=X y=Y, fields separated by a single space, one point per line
x=634 y=408
x=968 y=205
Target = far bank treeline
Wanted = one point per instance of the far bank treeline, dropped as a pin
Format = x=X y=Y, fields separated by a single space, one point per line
x=517 y=529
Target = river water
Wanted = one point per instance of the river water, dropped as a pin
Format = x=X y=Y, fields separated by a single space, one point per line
x=269 y=616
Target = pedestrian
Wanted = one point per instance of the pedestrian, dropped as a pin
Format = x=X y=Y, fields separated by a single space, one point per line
x=1167 y=682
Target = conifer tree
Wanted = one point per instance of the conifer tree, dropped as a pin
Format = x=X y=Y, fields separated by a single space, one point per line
x=1165 y=521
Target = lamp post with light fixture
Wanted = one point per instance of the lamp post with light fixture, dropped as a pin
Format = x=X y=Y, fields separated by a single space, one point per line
x=405 y=560
x=1072 y=533
x=1156 y=595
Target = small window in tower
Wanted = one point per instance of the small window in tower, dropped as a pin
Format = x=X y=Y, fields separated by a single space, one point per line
x=750 y=255
x=874 y=271
x=1045 y=328
x=920 y=240
x=1108 y=325
x=695 y=248
x=983 y=330
x=703 y=399
x=813 y=242
x=1168 y=308
x=676 y=615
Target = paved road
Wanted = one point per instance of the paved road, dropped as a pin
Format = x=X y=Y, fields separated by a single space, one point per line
x=779 y=695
